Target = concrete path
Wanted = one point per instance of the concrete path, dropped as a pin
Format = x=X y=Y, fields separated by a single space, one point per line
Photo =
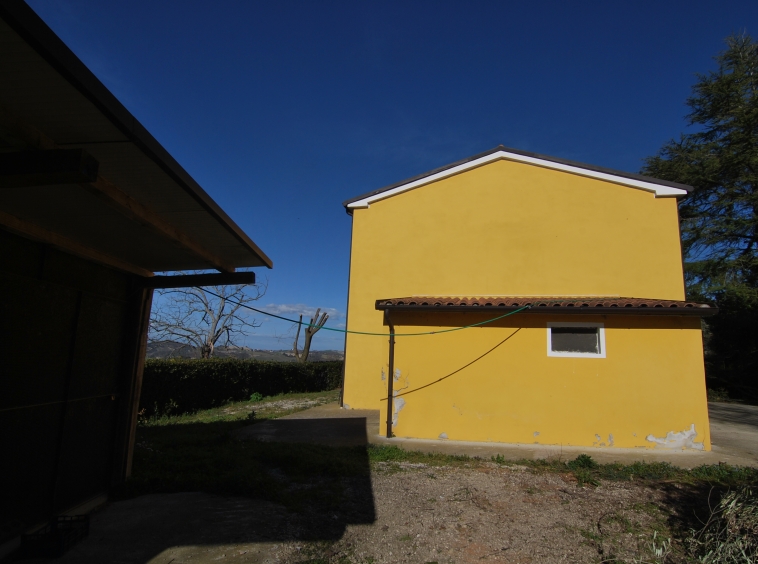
x=734 y=435
x=177 y=528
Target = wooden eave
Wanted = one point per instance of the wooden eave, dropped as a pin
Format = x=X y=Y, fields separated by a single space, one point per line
x=142 y=212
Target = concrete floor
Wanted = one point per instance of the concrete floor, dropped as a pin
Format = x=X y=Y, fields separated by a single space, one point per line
x=734 y=437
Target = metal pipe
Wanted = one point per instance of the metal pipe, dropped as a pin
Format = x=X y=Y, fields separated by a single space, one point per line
x=391 y=375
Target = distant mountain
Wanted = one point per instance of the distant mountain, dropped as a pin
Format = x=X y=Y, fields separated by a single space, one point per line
x=171 y=349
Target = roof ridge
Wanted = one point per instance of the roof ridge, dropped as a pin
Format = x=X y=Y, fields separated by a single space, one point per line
x=638 y=178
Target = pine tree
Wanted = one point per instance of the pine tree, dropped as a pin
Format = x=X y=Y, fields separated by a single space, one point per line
x=719 y=218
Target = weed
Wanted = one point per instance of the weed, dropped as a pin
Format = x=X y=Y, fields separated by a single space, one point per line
x=583 y=461
x=499 y=459
x=648 y=507
x=731 y=532
x=255 y=397
x=659 y=551
x=585 y=478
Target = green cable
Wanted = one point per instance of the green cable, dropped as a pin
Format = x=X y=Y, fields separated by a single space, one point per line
x=364 y=332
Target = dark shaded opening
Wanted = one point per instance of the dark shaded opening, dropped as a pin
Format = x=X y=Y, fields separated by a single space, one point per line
x=575 y=339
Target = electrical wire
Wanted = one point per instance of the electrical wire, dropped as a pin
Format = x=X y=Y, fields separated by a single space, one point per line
x=365 y=332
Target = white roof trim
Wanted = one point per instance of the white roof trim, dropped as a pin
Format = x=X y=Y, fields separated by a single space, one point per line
x=659 y=189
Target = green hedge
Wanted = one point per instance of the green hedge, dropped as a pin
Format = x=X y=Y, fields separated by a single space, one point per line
x=171 y=387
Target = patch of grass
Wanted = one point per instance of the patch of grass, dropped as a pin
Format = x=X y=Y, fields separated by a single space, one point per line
x=648 y=507
x=587 y=470
x=205 y=457
x=382 y=453
x=585 y=477
x=199 y=453
x=270 y=407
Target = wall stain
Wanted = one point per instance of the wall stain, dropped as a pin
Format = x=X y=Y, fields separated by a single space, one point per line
x=681 y=440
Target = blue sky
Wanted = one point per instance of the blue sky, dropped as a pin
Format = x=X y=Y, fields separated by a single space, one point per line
x=282 y=110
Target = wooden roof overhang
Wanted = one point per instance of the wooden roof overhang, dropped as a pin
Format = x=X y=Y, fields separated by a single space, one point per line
x=547 y=305
x=79 y=172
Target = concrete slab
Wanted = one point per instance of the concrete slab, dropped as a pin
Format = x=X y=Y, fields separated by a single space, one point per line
x=734 y=434
x=157 y=529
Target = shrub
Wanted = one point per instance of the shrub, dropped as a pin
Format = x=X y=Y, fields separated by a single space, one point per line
x=176 y=386
x=731 y=532
x=584 y=461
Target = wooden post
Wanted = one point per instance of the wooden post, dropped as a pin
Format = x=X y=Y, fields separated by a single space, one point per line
x=140 y=322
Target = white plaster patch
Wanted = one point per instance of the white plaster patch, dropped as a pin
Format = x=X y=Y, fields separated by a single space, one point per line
x=345 y=406
x=443 y=435
x=384 y=375
x=399 y=404
x=536 y=433
x=397 y=374
x=610 y=439
x=683 y=439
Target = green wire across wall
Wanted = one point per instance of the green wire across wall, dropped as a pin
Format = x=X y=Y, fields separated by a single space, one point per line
x=366 y=332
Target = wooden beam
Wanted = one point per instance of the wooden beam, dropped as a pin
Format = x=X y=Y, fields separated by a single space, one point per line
x=20 y=169
x=137 y=211
x=138 y=367
x=116 y=198
x=38 y=233
x=188 y=280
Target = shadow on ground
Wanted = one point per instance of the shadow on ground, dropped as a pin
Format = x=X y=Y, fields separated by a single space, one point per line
x=734 y=413
x=196 y=487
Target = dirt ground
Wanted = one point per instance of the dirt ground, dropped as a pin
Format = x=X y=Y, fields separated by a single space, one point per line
x=493 y=514
x=422 y=514
x=467 y=512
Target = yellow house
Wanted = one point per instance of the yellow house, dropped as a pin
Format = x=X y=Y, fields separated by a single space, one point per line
x=532 y=300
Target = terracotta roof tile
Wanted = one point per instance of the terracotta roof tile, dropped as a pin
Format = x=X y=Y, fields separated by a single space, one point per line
x=543 y=304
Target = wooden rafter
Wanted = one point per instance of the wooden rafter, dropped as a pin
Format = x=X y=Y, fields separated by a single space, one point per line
x=117 y=199
x=38 y=233
x=131 y=208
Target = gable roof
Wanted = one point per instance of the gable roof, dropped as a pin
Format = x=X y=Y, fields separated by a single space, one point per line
x=661 y=188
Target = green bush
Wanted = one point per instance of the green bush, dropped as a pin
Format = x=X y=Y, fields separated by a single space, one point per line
x=176 y=386
x=731 y=532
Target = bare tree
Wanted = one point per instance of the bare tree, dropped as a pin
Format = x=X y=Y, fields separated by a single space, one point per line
x=315 y=324
x=201 y=318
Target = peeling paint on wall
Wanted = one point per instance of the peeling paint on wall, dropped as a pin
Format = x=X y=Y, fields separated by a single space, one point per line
x=443 y=435
x=536 y=433
x=384 y=374
x=683 y=439
x=610 y=439
x=345 y=406
x=397 y=374
x=399 y=404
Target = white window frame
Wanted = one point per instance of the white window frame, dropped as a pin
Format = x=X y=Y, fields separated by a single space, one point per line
x=601 y=337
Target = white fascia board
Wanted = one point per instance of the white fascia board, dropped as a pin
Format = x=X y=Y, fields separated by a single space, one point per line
x=658 y=189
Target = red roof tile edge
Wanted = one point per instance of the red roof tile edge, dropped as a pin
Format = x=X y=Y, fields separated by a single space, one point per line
x=541 y=304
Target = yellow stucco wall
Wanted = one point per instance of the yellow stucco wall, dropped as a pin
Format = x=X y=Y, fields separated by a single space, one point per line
x=513 y=229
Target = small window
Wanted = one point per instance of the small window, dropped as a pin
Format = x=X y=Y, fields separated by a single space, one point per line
x=576 y=340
